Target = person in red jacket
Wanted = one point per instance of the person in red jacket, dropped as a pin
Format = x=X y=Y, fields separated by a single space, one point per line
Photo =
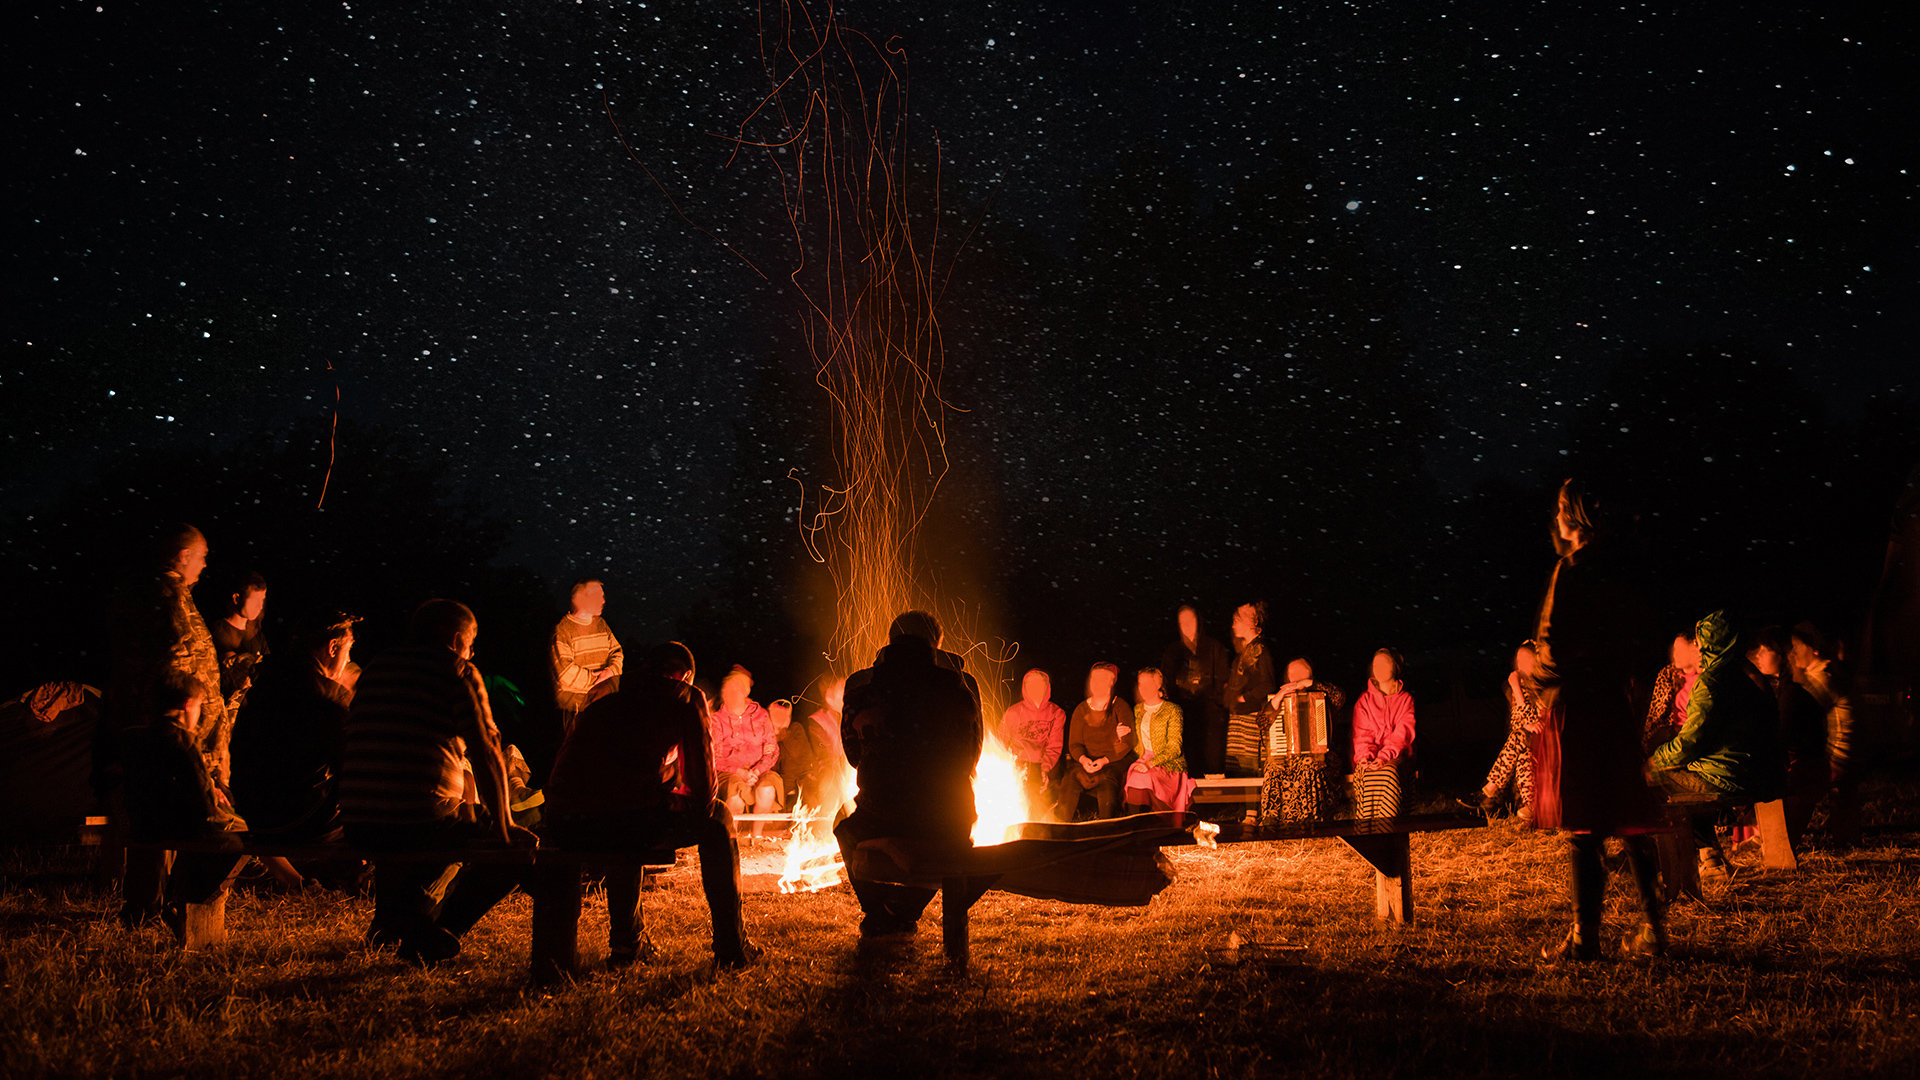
x=1382 y=739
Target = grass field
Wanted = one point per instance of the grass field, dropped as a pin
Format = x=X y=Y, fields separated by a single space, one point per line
x=1808 y=974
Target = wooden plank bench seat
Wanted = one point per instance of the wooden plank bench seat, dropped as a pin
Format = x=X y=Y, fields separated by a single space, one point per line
x=963 y=877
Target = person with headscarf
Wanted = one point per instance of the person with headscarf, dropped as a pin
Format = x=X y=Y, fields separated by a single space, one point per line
x=1586 y=763
x=1249 y=683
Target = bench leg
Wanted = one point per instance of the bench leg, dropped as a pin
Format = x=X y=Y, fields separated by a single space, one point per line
x=1776 y=846
x=556 y=921
x=205 y=925
x=956 y=897
x=1392 y=874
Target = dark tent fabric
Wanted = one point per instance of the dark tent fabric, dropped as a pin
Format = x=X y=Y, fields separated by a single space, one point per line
x=45 y=769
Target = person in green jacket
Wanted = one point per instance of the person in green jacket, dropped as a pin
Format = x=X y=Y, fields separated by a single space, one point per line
x=1730 y=744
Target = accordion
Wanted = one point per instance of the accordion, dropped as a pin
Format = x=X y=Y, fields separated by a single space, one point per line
x=1299 y=726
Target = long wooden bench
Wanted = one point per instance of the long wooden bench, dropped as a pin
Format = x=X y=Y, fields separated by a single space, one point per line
x=963 y=877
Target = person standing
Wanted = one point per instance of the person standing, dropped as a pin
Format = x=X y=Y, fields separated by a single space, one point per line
x=1099 y=748
x=1586 y=771
x=238 y=640
x=585 y=656
x=636 y=773
x=1249 y=683
x=156 y=632
x=1196 y=667
x=1383 y=728
x=1034 y=731
x=420 y=717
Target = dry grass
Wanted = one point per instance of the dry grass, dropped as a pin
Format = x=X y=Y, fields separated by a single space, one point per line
x=1812 y=973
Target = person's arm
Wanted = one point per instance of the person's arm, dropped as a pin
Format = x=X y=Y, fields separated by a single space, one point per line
x=1056 y=735
x=616 y=657
x=1077 y=737
x=1691 y=742
x=1173 y=748
x=483 y=751
x=696 y=757
x=1123 y=743
x=568 y=677
x=769 y=745
x=1399 y=737
x=1366 y=735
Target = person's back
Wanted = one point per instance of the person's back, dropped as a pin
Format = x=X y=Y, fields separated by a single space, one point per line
x=614 y=761
x=913 y=733
x=403 y=738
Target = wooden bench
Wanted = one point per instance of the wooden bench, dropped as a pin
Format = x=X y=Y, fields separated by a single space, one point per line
x=553 y=882
x=1679 y=862
x=1214 y=790
x=964 y=877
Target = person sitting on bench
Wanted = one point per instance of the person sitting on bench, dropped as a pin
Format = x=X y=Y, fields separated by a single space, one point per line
x=287 y=756
x=912 y=730
x=1382 y=739
x=171 y=797
x=1295 y=788
x=1099 y=748
x=812 y=768
x=1034 y=731
x=745 y=748
x=420 y=713
x=1731 y=744
x=1158 y=780
x=636 y=775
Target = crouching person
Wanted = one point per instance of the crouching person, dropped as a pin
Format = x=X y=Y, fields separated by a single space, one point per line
x=636 y=775
x=171 y=797
x=419 y=714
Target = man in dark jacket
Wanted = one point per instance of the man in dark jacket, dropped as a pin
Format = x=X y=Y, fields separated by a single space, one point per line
x=1196 y=668
x=636 y=774
x=912 y=729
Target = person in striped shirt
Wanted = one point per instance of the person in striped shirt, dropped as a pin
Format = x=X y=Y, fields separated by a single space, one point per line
x=420 y=715
x=586 y=657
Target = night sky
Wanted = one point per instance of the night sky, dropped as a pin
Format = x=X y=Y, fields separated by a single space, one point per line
x=1296 y=300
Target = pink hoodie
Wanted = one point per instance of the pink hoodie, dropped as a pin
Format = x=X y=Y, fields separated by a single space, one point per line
x=1034 y=734
x=1382 y=724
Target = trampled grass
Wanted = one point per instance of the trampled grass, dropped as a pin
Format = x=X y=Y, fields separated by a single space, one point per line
x=1812 y=973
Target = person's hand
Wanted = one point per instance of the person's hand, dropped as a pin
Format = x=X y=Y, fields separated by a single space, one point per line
x=1138 y=766
x=1101 y=762
x=1122 y=730
x=602 y=676
x=1087 y=763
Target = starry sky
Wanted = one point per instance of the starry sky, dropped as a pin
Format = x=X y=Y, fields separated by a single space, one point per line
x=215 y=217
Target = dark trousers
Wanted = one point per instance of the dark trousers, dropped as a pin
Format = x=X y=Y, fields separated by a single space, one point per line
x=407 y=897
x=638 y=833
x=1105 y=785
x=154 y=880
x=1590 y=878
x=1688 y=782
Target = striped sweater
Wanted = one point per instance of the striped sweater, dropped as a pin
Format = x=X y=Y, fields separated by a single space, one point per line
x=580 y=653
x=414 y=713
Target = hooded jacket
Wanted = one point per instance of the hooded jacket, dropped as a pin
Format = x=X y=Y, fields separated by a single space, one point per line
x=1732 y=735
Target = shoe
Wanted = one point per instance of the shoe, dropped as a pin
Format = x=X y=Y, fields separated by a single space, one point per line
x=1647 y=943
x=1477 y=801
x=430 y=946
x=1574 y=946
x=642 y=953
x=749 y=953
x=1713 y=866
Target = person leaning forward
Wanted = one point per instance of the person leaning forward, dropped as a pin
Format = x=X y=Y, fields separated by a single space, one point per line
x=912 y=730
x=636 y=774
x=420 y=714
